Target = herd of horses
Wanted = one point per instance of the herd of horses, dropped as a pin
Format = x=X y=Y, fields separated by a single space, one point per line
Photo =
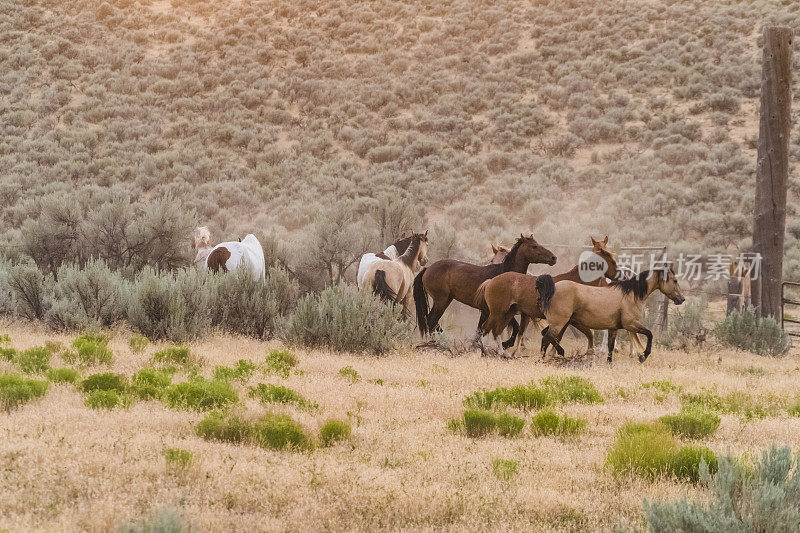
x=500 y=290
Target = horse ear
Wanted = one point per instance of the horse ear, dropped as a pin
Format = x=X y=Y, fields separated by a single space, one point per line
x=494 y=249
x=605 y=241
x=594 y=242
x=521 y=236
x=240 y=239
x=426 y=234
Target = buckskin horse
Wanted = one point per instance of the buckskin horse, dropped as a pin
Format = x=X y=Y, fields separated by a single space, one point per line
x=513 y=293
x=449 y=280
x=391 y=279
x=393 y=251
x=620 y=305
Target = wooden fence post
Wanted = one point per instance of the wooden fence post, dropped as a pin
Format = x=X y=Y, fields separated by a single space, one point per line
x=772 y=170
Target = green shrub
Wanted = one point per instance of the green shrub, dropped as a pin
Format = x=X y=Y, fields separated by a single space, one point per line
x=550 y=423
x=504 y=469
x=550 y=390
x=34 y=360
x=88 y=297
x=693 y=421
x=268 y=393
x=737 y=402
x=8 y=353
x=200 y=395
x=150 y=383
x=174 y=355
x=247 y=306
x=106 y=381
x=571 y=389
x=269 y=431
x=103 y=399
x=280 y=362
x=16 y=390
x=62 y=375
x=344 y=320
x=224 y=427
x=348 y=373
x=650 y=450
x=741 y=500
x=520 y=396
x=177 y=458
x=794 y=410
x=90 y=349
x=5 y=339
x=746 y=331
x=163 y=520
x=509 y=425
x=279 y=432
x=138 y=343
x=241 y=372
x=478 y=423
x=334 y=431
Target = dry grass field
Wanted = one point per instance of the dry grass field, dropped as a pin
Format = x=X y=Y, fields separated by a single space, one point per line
x=68 y=467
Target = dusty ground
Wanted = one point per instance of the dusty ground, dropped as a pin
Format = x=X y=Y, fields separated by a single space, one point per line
x=67 y=467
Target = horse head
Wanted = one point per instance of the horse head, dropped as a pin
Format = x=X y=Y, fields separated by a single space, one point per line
x=499 y=254
x=532 y=252
x=599 y=248
x=422 y=256
x=668 y=284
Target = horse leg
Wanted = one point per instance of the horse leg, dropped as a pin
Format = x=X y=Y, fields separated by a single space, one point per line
x=649 y=334
x=523 y=324
x=589 y=336
x=545 y=340
x=604 y=346
x=612 y=338
x=551 y=339
x=514 y=332
x=439 y=307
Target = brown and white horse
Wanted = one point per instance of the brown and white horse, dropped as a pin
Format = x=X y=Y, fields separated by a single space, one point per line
x=228 y=256
x=392 y=279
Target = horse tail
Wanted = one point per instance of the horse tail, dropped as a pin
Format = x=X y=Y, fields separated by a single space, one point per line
x=421 y=303
x=381 y=288
x=546 y=288
x=480 y=295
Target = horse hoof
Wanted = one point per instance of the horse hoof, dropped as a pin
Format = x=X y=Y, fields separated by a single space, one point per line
x=642 y=358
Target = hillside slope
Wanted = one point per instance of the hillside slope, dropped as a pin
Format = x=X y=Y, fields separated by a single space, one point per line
x=636 y=119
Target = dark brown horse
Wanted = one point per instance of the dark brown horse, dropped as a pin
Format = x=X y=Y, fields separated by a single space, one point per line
x=449 y=280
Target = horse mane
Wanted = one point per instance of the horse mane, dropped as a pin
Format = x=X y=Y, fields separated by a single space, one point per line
x=408 y=256
x=402 y=245
x=508 y=262
x=202 y=237
x=636 y=285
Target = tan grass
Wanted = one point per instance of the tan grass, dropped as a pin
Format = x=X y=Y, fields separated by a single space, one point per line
x=68 y=467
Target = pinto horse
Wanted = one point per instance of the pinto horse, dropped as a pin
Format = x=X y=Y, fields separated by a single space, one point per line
x=513 y=293
x=620 y=305
x=449 y=280
x=393 y=251
x=228 y=256
x=391 y=279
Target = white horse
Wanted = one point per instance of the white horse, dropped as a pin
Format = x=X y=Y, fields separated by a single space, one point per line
x=228 y=256
x=391 y=253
